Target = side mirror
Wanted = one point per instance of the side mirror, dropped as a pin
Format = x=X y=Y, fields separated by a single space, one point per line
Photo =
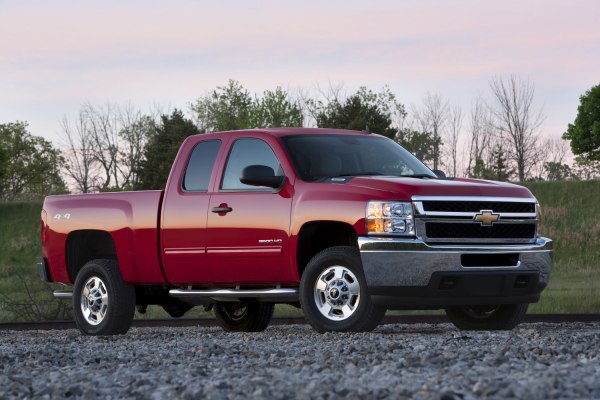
x=261 y=175
x=440 y=174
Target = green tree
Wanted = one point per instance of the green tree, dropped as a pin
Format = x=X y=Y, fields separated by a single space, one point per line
x=231 y=107
x=3 y=162
x=480 y=170
x=226 y=108
x=162 y=147
x=364 y=110
x=275 y=109
x=421 y=144
x=33 y=170
x=556 y=171
x=584 y=132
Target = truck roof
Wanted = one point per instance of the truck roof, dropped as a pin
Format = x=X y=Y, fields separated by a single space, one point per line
x=278 y=132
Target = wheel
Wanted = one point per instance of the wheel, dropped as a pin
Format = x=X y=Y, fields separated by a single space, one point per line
x=103 y=304
x=244 y=317
x=333 y=293
x=487 y=318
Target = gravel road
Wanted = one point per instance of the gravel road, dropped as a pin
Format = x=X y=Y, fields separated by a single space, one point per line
x=534 y=361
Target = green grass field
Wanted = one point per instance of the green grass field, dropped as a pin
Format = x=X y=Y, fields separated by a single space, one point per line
x=570 y=216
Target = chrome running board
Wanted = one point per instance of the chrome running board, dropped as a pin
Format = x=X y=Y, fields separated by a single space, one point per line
x=272 y=295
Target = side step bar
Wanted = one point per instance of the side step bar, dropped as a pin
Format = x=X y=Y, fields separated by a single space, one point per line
x=273 y=295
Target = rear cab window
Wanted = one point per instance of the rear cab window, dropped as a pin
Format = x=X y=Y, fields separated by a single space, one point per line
x=200 y=166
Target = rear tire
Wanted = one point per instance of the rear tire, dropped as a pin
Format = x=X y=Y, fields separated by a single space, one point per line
x=333 y=293
x=487 y=318
x=244 y=317
x=103 y=304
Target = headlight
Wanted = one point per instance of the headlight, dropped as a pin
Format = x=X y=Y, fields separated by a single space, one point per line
x=390 y=217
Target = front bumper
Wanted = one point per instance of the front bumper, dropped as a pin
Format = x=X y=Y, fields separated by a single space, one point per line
x=409 y=273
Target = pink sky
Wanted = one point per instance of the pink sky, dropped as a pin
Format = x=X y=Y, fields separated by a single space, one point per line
x=56 y=55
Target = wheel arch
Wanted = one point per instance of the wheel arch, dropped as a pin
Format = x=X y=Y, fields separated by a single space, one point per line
x=86 y=245
x=316 y=236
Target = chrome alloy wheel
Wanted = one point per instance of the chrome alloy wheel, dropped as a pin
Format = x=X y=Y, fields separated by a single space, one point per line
x=337 y=293
x=94 y=300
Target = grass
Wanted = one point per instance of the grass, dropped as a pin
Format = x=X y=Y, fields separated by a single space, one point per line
x=570 y=216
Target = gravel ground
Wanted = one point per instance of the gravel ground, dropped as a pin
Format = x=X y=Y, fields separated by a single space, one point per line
x=395 y=361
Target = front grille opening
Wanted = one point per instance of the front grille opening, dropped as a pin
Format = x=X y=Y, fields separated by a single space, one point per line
x=476 y=206
x=490 y=260
x=442 y=230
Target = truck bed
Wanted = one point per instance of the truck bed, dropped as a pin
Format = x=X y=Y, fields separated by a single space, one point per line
x=131 y=218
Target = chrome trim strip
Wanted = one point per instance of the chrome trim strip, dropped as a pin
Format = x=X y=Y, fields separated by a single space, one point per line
x=58 y=294
x=385 y=244
x=235 y=294
x=476 y=198
x=471 y=214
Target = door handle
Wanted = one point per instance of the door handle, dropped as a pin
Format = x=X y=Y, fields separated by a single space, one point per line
x=222 y=209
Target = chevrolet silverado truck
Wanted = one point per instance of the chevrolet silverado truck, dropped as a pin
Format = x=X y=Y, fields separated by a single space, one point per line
x=343 y=224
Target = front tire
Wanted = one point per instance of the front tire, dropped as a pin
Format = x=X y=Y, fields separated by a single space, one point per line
x=103 y=304
x=333 y=293
x=487 y=318
x=244 y=317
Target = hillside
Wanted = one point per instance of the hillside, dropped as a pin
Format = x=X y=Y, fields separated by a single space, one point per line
x=569 y=217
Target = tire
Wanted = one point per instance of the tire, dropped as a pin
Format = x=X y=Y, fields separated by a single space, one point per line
x=333 y=293
x=244 y=317
x=103 y=304
x=487 y=318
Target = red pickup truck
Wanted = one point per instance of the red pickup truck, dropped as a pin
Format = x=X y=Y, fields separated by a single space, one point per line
x=343 y=224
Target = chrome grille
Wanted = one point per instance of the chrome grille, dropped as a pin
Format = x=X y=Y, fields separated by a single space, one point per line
x=452 y=219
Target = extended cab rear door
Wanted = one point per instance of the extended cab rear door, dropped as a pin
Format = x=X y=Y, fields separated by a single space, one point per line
x=248 y=226
x=184 y=212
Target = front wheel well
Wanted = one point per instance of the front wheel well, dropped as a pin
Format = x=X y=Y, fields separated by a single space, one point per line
x=86 y=245
x=317 y=236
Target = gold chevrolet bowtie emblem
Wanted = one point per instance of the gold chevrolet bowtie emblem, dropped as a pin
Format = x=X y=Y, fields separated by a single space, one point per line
x=486 y=217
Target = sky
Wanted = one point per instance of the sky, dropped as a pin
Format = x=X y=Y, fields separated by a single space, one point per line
x=57 y=55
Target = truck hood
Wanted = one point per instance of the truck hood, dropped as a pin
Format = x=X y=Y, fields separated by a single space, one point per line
x=405 y=188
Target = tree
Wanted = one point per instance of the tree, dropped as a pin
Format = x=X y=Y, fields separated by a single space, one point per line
x=33 y=170
x=364 y=110
x=3 y=162
x=481 y=134
x=515 y=115
x=162 y=148
x=584 y=132
x=556 y=171
x=454 y=128
x=275 y=109
x=80 y=160
x=231 y=107
x=432 y=117
x=104 y=146
x=225 y=108
x=421 y=144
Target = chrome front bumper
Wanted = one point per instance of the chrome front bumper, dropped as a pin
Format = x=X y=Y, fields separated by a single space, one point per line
x=413 y=269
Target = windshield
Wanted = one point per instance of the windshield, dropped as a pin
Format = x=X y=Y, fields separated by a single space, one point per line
x=317 y=157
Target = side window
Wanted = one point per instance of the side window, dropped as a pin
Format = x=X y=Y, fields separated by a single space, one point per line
x=200 y=166
x=247 y=152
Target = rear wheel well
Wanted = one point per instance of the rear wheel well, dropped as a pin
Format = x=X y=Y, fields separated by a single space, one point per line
x=320 y=235
x=85 y=245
